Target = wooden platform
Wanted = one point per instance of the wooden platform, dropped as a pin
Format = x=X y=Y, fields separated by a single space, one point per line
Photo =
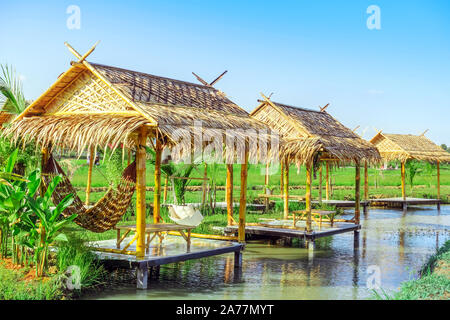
x=282 y=230
x=404 y=203
x=344 y=203
x=171 y=250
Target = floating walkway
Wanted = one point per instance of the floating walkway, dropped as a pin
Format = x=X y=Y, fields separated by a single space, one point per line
x=404 y=203
x=173 y=249
x=284 y=229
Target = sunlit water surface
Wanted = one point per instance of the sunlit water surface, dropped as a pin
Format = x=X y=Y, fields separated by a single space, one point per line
x=394 y=243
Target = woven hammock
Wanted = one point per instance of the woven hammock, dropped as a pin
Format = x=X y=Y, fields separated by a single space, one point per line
x=107 y=212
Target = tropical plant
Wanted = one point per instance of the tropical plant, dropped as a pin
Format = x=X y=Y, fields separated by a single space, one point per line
x=413 y=168
x=45 y=226
x=12 y=99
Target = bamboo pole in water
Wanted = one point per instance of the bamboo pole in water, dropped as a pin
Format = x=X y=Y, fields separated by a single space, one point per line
x=229 y=194
x=308 y=197
x=320 y=183
x=438 y=181
x=366 y=181
x=157 y=191
x=403 y=173
x=89 y=177
x=357 y=192
x=327 y=182
x=243 y=197
x=140 y=192
x=286 y=188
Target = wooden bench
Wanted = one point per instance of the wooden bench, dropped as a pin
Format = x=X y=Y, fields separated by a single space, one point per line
x=302 y=215
x=160 y=230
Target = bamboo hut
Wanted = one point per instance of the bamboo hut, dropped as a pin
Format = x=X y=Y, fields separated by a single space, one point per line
x=310 y=137
x=93 y=105
x=403 y=147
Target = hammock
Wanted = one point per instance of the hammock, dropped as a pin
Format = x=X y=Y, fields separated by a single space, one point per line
x=185 y=215
x=107 y=212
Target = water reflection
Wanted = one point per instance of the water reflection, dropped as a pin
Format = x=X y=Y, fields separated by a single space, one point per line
x=337 y=269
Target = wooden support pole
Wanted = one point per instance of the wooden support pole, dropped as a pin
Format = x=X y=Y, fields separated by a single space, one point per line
x=166 y=183
x=229 y=194
x=403 y=173
x=266 y=186
x=357 y=192
x=308 y=196
x=129 y=157
x=286 y=188
x=44 y=159
x=140 y=192
x=89 y=177
x=320 y=184
x=327 y=182
x=157 y=191
x=205 y=175
x=282 y=177
x=243 y=197
x=438 y=180
x=366 y=181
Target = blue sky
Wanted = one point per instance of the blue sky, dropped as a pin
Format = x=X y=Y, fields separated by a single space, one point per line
x=308 y=53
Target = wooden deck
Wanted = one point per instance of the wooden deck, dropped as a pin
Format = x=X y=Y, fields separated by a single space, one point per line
x=404 y=203
x=344 y=203
x=172 y=250
x=282 y=229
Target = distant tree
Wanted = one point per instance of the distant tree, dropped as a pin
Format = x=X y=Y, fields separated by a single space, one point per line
x=444 y=146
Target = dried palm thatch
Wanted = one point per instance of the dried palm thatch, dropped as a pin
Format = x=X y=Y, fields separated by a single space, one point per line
x=407 y=146
x=97 y=105
x=309 y=135
x=5 y=117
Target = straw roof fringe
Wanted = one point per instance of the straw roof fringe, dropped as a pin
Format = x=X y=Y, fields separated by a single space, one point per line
x=307 y=132
x=92 y=104
x=403 y=147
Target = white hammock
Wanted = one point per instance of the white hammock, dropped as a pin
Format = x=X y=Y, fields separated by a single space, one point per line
x=185 y=215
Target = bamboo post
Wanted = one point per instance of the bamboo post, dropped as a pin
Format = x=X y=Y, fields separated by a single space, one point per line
x=438 y=180
x=403 y=173
x=140 y=192
x=44 y=159
x=286 y=188
x=266 y=185
x=166 y=182
x=327 y=182
x=320 y=184
x=129 y=157
x=229 y=194
x=157 y=191
x=89 y=177
x=308 y=196
x=205 y=175
x=357 y=192
x=282 y=177
x=243 y=197
x=366 y=181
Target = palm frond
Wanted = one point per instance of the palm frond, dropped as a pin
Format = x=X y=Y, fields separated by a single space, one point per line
x=12 y=99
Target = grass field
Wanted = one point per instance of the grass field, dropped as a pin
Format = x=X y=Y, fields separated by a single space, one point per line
x=382 y=183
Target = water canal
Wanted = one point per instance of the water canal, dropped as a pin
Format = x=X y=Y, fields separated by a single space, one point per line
x=393 y=243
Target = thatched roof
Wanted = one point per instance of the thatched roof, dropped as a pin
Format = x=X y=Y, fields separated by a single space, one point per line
x=93 y=104
x=407 y=146
x=5 y=117
x=308 y=134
